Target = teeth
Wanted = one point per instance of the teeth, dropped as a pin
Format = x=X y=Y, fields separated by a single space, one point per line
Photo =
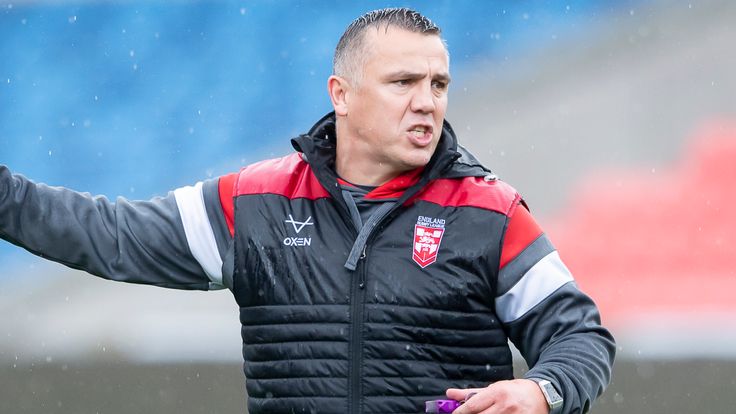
x=419 y=131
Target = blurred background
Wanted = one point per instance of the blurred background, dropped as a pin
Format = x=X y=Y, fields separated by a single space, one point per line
x=615 y=120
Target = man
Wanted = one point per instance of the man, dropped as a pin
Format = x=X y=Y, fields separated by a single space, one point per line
x=377 y=267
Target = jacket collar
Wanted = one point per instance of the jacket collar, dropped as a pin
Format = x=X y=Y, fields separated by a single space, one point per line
x=450 y=160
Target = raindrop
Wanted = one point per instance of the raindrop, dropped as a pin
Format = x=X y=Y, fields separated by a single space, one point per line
x=242 y=11
x=260 y=292
x=72 y=19
x=408 y=347
x=488 y=367
x=269 y=395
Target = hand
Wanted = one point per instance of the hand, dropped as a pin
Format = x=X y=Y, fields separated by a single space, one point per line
x=520 y=396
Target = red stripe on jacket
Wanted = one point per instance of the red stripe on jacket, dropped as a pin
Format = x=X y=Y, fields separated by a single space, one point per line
x=520 y=233
x=226 y=190
x=471 y=192
x=291 y=177
x=288 y=176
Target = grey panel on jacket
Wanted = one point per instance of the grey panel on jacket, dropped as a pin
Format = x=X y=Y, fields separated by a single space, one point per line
x=129 y=241
x=211 y=193
x=518 y=266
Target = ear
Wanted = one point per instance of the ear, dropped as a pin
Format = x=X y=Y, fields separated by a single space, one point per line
x=338 y=89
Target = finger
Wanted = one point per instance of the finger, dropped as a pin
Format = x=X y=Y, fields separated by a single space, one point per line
x=476 y=404
x=493 y=409
x=463 y=394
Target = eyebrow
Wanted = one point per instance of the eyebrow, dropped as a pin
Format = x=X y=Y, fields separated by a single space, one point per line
x=402 y=74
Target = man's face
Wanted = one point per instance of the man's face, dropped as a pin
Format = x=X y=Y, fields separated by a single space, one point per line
x=396 y=110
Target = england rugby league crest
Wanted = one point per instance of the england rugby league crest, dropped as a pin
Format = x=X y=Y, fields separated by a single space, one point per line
x=427 y=238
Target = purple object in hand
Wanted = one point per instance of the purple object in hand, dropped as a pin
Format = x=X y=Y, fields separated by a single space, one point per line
x=441 y=406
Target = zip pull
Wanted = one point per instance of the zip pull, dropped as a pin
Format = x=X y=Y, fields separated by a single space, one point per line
x=362 y=273
x=357 y=252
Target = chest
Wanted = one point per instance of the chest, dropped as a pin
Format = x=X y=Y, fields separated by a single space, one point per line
x=293 y=251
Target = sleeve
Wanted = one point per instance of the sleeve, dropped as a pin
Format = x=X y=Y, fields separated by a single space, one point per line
x=555 y=326
x=176 y=241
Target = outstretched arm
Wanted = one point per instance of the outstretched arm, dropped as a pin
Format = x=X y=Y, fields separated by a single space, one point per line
x=145 y=242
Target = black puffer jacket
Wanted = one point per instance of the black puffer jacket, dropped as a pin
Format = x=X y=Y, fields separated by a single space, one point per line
x=320 y=336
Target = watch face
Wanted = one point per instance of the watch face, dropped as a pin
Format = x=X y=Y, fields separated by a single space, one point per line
x=554 y=399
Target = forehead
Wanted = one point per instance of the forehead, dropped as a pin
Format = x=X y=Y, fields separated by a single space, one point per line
x=389 y=47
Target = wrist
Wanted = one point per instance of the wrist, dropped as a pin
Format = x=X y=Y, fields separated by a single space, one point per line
x=551 y=393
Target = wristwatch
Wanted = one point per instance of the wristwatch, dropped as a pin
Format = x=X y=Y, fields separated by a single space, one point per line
x=554 y=399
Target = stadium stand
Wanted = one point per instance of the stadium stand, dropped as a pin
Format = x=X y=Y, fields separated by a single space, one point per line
x=657 y=246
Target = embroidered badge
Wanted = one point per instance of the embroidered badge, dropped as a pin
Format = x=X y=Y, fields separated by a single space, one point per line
x=427 y=237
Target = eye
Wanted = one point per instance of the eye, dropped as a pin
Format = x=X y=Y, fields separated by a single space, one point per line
x=402 y=82
x=439 y=85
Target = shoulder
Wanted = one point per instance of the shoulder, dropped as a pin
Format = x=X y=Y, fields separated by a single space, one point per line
x=487 y=193
x=289 y=176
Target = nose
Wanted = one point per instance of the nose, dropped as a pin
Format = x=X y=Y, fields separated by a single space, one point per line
x=423 y=100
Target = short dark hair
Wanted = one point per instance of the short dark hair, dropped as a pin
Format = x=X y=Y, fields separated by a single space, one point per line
x=349 y=52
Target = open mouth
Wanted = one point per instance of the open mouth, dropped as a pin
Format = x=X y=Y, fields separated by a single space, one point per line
x=420 y=134
x=420 y=131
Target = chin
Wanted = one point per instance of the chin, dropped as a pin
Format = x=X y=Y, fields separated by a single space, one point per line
x=417 y=162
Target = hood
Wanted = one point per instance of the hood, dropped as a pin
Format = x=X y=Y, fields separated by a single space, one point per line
x=450 y=160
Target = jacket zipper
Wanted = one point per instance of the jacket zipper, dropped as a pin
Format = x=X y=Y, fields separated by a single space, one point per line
x=356 y=337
